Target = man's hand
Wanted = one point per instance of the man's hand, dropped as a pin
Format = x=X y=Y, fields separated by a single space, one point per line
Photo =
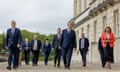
x=77 y=52
x=75 y=49
x=52 y=49
x=20 y=49
x=6 y=47
x=59 y=48
x=18 y=45
x=107 y=40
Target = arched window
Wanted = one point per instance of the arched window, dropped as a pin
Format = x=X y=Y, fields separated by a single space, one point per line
x=116 y=22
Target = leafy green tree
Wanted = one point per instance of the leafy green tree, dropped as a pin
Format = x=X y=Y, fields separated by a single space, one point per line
x=29 y=35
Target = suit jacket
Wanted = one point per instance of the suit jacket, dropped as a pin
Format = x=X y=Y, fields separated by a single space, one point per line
x=100 y=47
x=47 y=48
x=55 y=42
x=68 y=39
x=25 y=45
x=86 y=43
x=13 y=40
x=39 y=45
x=112 y=40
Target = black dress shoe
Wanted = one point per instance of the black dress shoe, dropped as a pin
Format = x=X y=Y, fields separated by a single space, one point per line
x=8 y=67
x=27 y=64
x=58 y=65
x=15 y=67
x=54 y=65
x=45 y=64
x=84 y=65
x=33 y=65
x=68 y=68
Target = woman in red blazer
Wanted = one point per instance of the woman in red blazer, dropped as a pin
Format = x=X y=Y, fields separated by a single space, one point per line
x=108 y=40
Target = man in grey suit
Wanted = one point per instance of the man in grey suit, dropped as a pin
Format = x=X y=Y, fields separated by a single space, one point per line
x=57 y=50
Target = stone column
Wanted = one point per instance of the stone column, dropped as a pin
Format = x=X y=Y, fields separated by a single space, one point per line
x=75 y=7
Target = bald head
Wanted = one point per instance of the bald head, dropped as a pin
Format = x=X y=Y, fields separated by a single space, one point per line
x=35 y=37
x=58 y=30
x=26 y=40
x=82 y=35
x=13 y=23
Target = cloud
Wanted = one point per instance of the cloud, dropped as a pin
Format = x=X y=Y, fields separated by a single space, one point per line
x=36 y=15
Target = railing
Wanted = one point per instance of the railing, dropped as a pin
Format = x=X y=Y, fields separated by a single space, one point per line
x=3 y=53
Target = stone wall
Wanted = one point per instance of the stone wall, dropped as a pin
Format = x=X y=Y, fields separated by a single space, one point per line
x=96 y=29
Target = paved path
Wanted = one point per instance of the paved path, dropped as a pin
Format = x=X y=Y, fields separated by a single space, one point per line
x=76 y=67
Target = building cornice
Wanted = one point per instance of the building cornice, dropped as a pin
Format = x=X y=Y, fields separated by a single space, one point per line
x=102 y=6
x=92 y=2
x=81 y=22
x=79 y=14
x=94 y=12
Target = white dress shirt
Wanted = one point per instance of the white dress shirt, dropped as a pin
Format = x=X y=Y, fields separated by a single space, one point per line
x=68 y=30
x=35 y=45
x=26 y=45
x=82 y=43
x=58 y=35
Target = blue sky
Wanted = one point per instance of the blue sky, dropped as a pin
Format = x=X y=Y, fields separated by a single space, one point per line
x=42 y=16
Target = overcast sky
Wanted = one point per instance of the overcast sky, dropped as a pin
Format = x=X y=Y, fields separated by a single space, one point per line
x=42 y=16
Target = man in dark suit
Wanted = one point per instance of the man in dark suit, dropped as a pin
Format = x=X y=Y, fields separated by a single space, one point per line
x=46 y=50
x=83 y=47
x=57 y=50
x=26 y=50
x=35 y=47
x=102 y=53
x=13 y=43
x=68 y=43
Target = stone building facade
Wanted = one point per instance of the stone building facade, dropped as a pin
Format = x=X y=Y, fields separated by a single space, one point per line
x=91 y=17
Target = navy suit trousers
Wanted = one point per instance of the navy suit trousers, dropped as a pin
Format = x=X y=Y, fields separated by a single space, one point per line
x=13 y=56
x=67 y=54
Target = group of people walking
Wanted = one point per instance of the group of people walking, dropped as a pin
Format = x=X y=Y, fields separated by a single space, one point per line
x=14 y=43
x=64 y=42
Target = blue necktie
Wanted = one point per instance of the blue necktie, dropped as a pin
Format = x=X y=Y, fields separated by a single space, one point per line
x=13 y=32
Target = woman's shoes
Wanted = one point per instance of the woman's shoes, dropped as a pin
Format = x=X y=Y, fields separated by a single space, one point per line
x=108 y=65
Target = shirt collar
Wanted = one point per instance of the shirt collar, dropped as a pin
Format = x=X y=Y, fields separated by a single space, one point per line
x=12 y=28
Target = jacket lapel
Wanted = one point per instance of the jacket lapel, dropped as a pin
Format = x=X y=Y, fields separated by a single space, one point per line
x=14 y=32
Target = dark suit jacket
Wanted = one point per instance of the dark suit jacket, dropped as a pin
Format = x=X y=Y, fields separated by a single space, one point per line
x=86 y=44
x=100 y=47
x=55 y=42
x=13 y=40
x=68 y=39
x=47 y=48
x=39 y=44
x=24 y=46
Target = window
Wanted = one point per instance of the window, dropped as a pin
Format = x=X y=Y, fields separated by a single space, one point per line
x=104 y=22
x=85 y=4
x=82 y=30
x=95 y=32
x=75 y=7
x=80 y=6
x=88 y=28
x=116 y=22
